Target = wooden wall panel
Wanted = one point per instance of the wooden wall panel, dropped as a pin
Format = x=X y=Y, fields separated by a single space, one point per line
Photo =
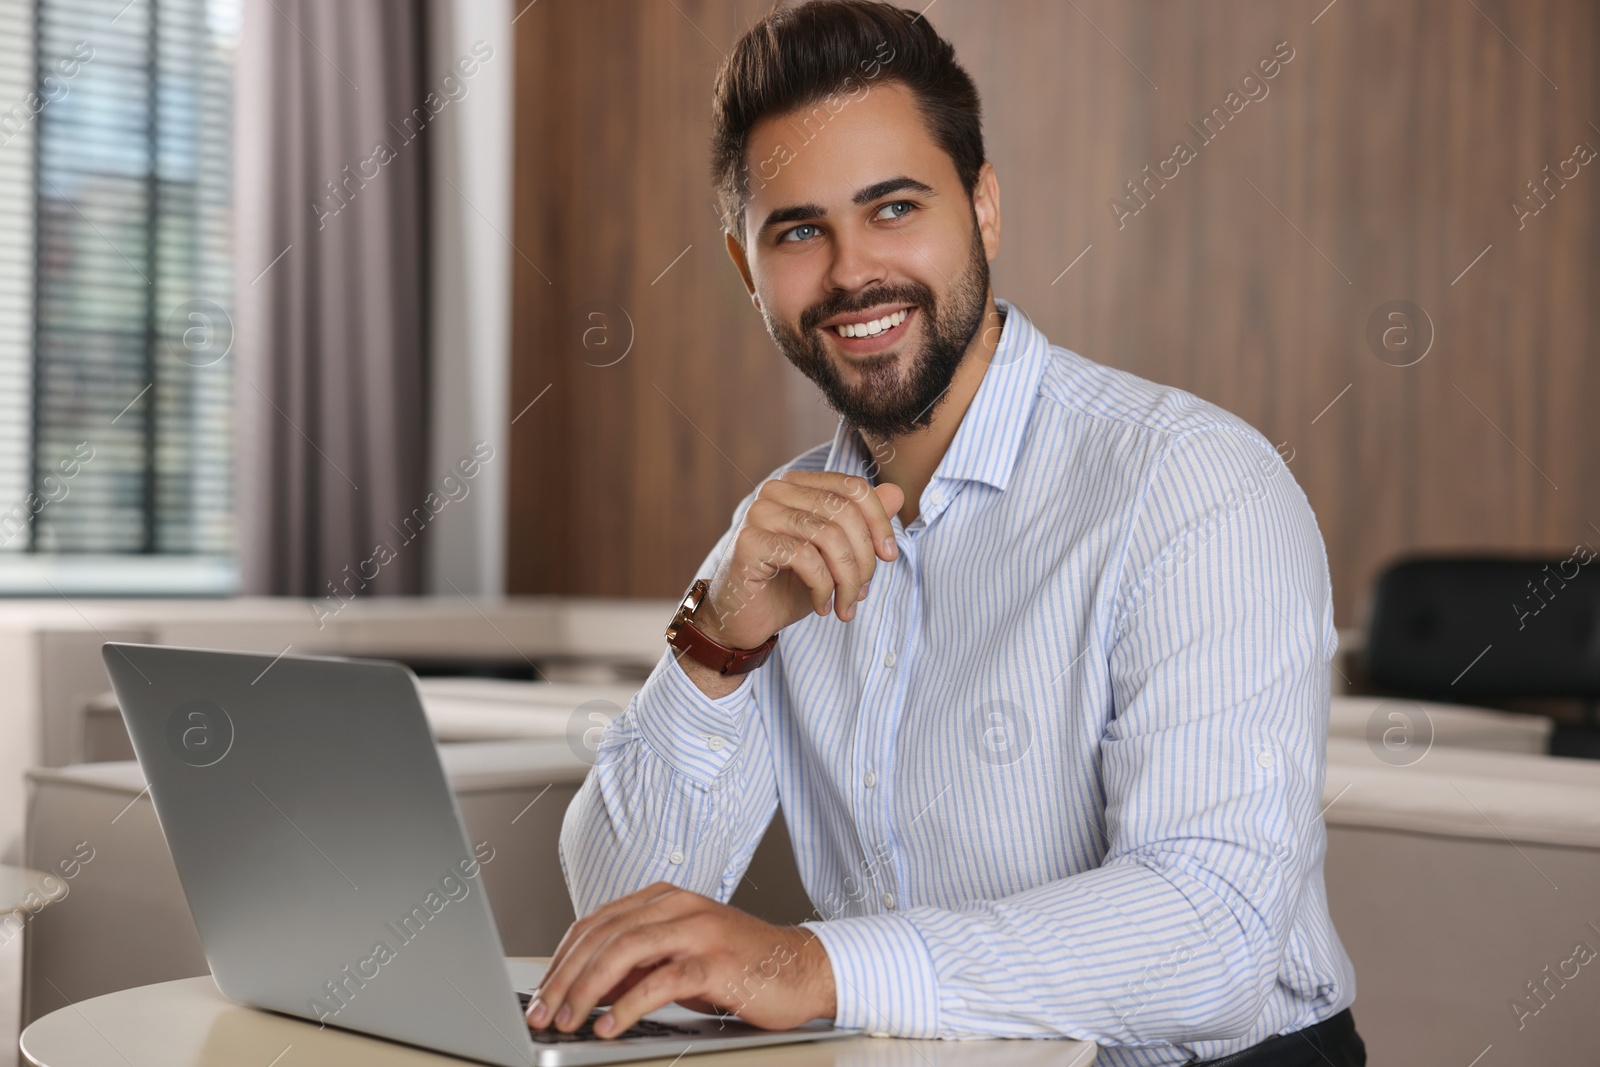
x=1382 y=161
x=624 y=475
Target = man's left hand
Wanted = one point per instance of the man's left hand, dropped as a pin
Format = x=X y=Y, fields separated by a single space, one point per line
x=664 y=944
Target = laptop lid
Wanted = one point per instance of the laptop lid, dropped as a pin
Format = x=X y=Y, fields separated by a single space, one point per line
x=319 y=845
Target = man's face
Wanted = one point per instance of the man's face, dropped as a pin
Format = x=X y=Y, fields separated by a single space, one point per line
x=857 y=217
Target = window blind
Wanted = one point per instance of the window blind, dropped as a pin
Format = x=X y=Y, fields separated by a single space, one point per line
x=16 y=259
x=115 y=276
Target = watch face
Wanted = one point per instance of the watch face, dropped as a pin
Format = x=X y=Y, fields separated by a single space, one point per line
x=687 y=608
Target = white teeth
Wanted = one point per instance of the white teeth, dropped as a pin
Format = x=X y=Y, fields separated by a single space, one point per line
x=872 y=329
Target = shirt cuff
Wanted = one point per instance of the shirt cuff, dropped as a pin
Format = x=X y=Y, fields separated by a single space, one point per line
x=884 y=980
x=696 y=735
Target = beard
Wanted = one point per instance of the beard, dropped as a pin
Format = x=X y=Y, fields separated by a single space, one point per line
x=886 y=402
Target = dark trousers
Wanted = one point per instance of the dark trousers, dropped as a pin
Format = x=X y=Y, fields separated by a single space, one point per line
x=1330 y=1043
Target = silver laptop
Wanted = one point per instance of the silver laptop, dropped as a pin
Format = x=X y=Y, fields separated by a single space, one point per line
x=326 y=863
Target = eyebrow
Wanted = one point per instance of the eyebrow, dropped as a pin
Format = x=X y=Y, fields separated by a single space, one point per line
x=798 y=212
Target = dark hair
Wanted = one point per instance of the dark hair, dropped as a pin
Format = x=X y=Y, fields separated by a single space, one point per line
x=800 y=56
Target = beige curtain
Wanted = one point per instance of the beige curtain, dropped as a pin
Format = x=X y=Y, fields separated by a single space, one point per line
x=332 y=112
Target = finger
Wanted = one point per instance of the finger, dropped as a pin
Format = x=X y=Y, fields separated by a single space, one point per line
x=862 y=494
x=814 y=572
x=845 y=566
x=685 y=979
x=840 y=553
x=551 y=994
x=891 y=498
x=640 y=947
x=579 y=945
x=556 y=991
x=832 y=506
x=833 y=544
x=796 y=521
x=631 y=979
x=771 y=516
x=603 y=914
x=779 y=550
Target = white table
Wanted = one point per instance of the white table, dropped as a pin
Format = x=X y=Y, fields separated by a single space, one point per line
x=188 y=1023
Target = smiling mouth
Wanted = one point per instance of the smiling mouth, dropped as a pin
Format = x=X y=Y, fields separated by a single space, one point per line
x=872 y=328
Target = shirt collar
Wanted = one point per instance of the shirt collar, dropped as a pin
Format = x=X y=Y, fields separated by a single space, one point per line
x=986 y=443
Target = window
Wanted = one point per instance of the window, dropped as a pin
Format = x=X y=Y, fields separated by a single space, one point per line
x=116 y=451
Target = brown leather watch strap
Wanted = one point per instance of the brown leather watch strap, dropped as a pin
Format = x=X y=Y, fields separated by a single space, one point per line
x=684 y=635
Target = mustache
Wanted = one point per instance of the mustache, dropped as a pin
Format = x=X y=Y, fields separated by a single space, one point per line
x=919 y=295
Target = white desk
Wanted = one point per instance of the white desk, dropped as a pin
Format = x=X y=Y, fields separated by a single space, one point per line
x=188 y=1023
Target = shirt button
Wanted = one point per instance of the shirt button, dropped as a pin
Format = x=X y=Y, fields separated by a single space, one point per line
x=1264 y=759
x=888 y=901
x=869 y=779
x=676 y=857
x=889 y=658
x=715 y=743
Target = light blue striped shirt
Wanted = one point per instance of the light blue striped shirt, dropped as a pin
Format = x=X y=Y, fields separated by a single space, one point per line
x=1060 y=775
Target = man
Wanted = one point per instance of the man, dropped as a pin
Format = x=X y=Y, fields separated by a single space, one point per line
x=1048 y=713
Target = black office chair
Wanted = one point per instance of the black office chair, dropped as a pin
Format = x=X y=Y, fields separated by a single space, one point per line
x=1483 y=629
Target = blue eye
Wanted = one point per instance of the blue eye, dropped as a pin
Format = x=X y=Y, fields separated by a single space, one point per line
x=906 y=204
x=789 y=235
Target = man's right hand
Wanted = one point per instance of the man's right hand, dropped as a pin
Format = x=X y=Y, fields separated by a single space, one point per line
x=810 y=538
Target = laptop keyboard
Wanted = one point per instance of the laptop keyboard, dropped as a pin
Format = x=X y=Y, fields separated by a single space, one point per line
x=642 y=1028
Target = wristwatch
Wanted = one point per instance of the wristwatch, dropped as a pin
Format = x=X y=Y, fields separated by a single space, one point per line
x=684 y=635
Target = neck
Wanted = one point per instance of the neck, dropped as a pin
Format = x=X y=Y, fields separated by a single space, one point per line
x=909 y=460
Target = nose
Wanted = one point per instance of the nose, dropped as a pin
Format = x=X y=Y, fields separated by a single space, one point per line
x=858 y=262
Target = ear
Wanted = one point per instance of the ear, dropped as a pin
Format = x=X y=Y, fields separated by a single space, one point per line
x=736 y=253
x=986 y=204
